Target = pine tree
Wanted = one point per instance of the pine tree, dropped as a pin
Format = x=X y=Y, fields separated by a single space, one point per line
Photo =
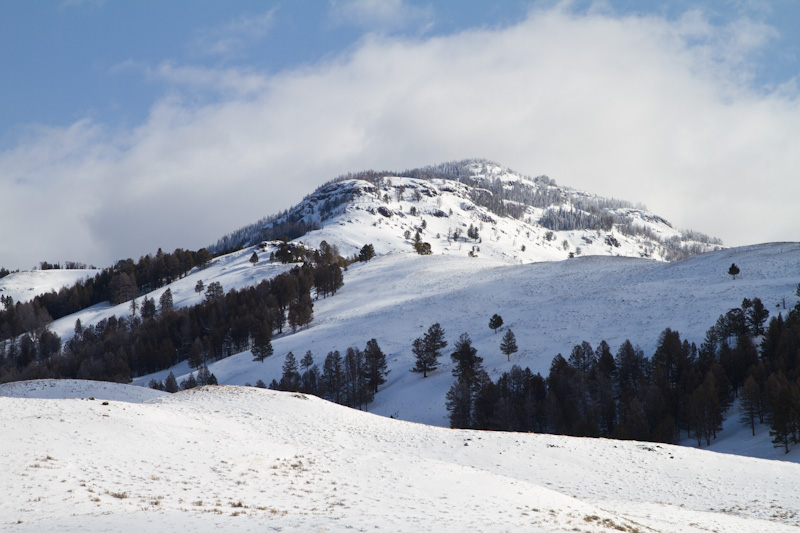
x=214 y=292
x=307 y=361
x=262 y=343
x=367 y=252
x=165 y=302
x=333 y=377
x=356 y=392
x=290 y=379
x=733 y=271
x=495 y=322
x=375 y=365
x=170 y=384
x=203 y=376
x=461 y=396
x=749 y=403
x=428 y=349
x=189 y=383
x=254 y=258
x=148 y=308
x=508 y=345
x=199 y=287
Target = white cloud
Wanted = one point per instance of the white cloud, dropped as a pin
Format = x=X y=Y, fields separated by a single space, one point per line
x=232 y=38
x=381 y=15
x=638 y=108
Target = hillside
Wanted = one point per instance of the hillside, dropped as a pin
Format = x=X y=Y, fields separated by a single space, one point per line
x=244 y=459
x=25 y=285
x=553 y=296
x=549 y=306
x=515 y=218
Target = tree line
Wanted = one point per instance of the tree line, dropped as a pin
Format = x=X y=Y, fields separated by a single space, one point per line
x=351 y=379
x=118 y=284
x=117 y=349
x=682 y=389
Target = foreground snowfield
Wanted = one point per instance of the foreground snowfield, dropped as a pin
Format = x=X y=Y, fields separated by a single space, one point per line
x=245 y=459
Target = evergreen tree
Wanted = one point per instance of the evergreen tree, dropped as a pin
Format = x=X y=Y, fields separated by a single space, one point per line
x=170 y=384
x=782 y=425
x=467 y=371
x=189 y=383
x=756 y=316
x=165 y=302
x=733 y=271
x=148 y=308
x=428 y=349
x=254 y=258
x=366 y=253
x=374 y=365
x=203 y=376
x=749 y=403
x=356 y=392
x=495 y=322
x=214 y=292
x=290 y=379
x=262 y=343
x=307 y=361
x=508 y=345
x=199 y=287
x=333 y=377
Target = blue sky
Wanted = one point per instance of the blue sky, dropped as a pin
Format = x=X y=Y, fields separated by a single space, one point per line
x=128 y=126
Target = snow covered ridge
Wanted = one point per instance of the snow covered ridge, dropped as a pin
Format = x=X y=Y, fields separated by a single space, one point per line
x=244 y=459
x=26 y=285
x=518 y=218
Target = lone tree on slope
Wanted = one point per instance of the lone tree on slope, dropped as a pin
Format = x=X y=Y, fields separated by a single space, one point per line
x=367 y=252
x=733 y=270
x=428 y=349
x=509 y=344
x=495 y=322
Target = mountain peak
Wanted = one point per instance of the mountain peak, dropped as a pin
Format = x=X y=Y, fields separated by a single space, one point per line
x=475 y=207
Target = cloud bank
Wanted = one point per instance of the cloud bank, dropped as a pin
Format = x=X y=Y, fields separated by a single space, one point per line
x=636 y=107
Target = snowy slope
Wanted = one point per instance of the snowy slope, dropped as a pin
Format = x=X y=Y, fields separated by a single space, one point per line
x=78 y=388
x=244 y=459
x=24 y=286
x=549 y=306
x=232 y=271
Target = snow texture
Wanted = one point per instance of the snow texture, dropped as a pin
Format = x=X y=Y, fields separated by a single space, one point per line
x=246 y=459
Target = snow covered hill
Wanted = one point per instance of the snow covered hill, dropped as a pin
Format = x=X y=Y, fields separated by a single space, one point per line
x=245 y=459
x=26 y=285
x=550 y=307
x=514 y=218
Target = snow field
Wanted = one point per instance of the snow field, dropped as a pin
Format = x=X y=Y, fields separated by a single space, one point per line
x=244 y=459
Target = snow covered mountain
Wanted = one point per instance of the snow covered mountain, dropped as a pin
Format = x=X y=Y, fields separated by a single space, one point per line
x=560 y=266
x=473 y=206
x=245 y=459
